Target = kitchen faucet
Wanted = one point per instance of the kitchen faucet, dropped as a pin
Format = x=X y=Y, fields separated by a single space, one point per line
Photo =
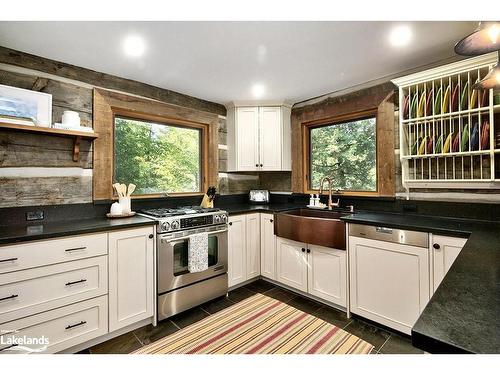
x=330 y=202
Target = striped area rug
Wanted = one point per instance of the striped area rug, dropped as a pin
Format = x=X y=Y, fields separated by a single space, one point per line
x=260 y=325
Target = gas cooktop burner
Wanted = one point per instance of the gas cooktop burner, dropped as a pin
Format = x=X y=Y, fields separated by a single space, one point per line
x=169 y=212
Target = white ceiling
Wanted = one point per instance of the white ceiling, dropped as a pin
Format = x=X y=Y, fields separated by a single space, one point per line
x=221 y=61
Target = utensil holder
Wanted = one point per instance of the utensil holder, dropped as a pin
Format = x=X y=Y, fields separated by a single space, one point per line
x=126 y=204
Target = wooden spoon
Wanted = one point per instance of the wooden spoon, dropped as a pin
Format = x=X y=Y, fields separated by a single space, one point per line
x=131 y=188
x=117 y=188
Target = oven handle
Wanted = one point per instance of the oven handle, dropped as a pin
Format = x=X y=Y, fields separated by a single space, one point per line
x=177 y=239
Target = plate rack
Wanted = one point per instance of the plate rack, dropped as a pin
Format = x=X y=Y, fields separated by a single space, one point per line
x=447 y=130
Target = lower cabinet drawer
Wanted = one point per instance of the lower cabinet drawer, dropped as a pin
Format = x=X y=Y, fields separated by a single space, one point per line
x=40 y=289
x=56 y=330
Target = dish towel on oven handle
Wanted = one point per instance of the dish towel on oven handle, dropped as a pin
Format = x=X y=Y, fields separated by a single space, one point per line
x=198 y=252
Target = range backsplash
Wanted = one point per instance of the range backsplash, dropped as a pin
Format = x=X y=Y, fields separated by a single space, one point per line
x=477 y=211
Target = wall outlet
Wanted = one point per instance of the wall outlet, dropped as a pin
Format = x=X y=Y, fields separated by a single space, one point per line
x=34 y=215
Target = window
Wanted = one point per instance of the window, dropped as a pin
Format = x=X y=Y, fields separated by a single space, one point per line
x=346 y=151
x=158 y=157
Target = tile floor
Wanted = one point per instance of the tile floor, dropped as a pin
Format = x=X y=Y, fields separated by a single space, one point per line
x=385 y=342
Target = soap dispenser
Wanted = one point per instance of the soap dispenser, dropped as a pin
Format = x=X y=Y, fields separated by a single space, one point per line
x=316 y=200
x=311 y=200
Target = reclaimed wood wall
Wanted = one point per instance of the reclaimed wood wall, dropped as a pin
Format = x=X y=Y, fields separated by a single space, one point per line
x=381 y=98
x=38 y=169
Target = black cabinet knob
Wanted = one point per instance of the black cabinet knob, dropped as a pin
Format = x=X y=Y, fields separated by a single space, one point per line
x=436 y=246
x=303 y=250
x=256 y=165
x=262 y=165
x=308 y=251
x=230 y=223
x=151 y=236
x=271 y=220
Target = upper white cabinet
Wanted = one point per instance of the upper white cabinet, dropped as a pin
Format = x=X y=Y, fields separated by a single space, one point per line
x=267 y=246
x=444 y=252
x=259 y=138
x=131 y=278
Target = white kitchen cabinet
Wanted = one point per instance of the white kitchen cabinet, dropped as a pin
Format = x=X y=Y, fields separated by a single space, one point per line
x=389 y=282
x=267 y=246
x=131 y=278
x=247 y=140
x=253 y=245
x=259 y=138
x=327 y=277
x=291 y=263
x=237 y=260
x=444 y=252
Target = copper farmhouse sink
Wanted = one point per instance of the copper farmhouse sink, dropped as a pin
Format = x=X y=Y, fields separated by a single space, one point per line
x=315 y=227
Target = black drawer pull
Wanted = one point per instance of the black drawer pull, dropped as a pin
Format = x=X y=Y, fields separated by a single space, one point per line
x=308 y=251
x=76 y=325
x=271 y=220
x=436 y=246
x=76 y=282
x=8 y=347
x=8 y=260
x=303 y=250
x=9 y=297
x=76 y=248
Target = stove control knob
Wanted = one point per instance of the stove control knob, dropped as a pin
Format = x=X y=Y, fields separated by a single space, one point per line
x=223 y=218
x=217 y=219
x=174 y=225
x=165 y=226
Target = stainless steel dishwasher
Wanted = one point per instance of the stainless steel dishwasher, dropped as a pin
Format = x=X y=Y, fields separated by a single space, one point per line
x=389 y=274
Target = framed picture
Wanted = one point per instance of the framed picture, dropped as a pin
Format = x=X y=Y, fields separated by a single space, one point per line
x=25 y=107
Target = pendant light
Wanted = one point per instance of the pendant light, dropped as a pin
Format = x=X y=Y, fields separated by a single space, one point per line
x=492 y=79
x=486 y=38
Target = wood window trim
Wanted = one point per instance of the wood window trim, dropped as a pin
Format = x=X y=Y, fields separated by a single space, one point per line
x=107 y=103
x=124 y=113
x=306 y=150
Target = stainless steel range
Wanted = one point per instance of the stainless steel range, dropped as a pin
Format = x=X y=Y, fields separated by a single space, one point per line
x=178 y=289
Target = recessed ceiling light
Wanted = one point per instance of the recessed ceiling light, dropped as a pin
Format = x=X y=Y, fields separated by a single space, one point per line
x=134 y=46
x=400 y=36
x=258 y=90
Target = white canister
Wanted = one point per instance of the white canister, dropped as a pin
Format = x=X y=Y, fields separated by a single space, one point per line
x=116 y=209
x=71 y=118
x=125 y=203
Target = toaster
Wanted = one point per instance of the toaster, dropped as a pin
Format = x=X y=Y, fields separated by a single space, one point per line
x=259 y=196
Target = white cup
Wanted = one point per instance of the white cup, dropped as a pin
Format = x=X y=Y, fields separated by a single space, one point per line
x=71 y=118
x=125 y=203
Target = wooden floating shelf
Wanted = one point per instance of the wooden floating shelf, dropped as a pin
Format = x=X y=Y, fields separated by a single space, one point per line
x=76 y=135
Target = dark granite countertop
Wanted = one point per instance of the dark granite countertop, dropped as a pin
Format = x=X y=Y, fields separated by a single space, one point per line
x=243 y=208
x=463 y=314
x=37 y=231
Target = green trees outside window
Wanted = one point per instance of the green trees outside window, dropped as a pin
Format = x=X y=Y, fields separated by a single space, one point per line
x=158 y=158
x=347 y=152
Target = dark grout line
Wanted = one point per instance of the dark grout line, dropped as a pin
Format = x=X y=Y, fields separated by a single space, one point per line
x=137 y=338
x=385 y=342
x=202 y=309
x=179 y=328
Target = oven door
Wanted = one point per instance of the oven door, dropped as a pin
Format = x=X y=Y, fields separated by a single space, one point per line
x=173 y=250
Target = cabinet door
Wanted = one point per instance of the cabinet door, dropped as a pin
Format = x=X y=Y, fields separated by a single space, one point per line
x=253 y=245
x=247 y=138
x=389 y=283
x=268 y=247
x=444 y=251
x=291 y=265
x=237 y=271
x=327 y=274
x=131 y=279
x=270 y=138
